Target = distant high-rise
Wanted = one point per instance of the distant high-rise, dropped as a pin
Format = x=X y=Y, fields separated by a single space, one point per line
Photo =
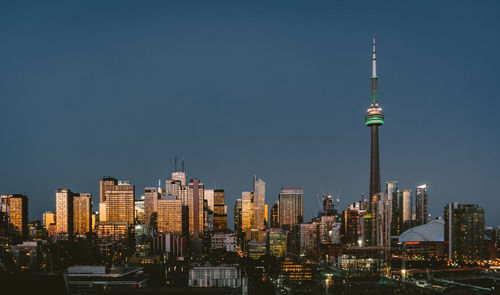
x=259 y=191
x=247 y=210
x=422 y=195
x=464 y=232
x=275 y=221
x=49 y=218
x=172 y=187
x=170 y=215
x=64 y=211
x=220 y=211
x=266 y=216
x=195 y=205
x=391 y=192
x=407 y=205
x=237 y=216
x=151 y=197
x=15 y=207
x=82 y=213
x=208 y=195
x=118 y=197
x=391 y=189
x=180 y=176
x=397 y=213
x=291 y=206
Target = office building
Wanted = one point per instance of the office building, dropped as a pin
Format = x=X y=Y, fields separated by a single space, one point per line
x=49 y=218
x=15 y=208
x=291 y=206
x=407 y=205
x=275 y=221
x=464 y=232
x=217 y=277
x=220 y=211
x=209 y=197
x=237 y=216
x=259 y=192
x=118 y=197
x=224 y=241
x=64 y=212
x=277 y=242
x=422 y=195
x=82 y=213
x=151 y=196
x=194 y=203
x=170 y=215
x=247 y=210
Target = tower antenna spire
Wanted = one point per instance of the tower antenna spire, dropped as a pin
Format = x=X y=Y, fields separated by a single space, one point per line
x=374 y=74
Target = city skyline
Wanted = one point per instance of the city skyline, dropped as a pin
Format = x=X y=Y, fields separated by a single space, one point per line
x=322 y=86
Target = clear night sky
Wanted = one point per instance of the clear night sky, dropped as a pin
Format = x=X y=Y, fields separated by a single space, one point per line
x=118 y=88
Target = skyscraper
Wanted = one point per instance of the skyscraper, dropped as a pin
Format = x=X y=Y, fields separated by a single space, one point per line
x=64 y=211
x=15 y=207
x=407 y=205
x=82 y=213
x=49 y=218
x=151 y=197
x=220 y=211
x=247 y=210
x=374 y=117
x=208 y=195
x=259 y=191
x=422 y=194
x=237 y=216
x=170 y=215
x=397 y=213
x=464 y=232
x=118 y=199
x=195 y=205
x=275 y=221
x=291 y=209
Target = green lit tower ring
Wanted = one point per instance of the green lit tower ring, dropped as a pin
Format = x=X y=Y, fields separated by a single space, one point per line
x=374 y=117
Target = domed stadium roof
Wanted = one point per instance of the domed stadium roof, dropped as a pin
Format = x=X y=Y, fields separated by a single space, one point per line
x=429 y=232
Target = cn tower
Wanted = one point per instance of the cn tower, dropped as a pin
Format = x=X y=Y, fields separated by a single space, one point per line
x=374 y=117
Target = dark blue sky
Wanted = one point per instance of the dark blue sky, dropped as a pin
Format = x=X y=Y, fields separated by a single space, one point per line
x=276 y=88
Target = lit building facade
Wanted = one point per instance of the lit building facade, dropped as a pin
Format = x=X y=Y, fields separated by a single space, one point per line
x=118 y=197
x=49 y=218
x=291 y=210
x=277 y=242
x=170 y=215
x=259 y=192
x=220 y=211
x=421 y=200
x=237 y=216
x=247 y=210
x=275 y=221
x=15 y=207
x=195 y=206
x=82 y=213
x=64 y=211
x=464 y=232
x=151 y=197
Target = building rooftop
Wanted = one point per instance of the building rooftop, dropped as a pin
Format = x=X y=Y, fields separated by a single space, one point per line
x=429 y=232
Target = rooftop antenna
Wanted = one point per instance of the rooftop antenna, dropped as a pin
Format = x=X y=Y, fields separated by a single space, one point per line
x=175 y=165
x=374 y=75
x=182 y=164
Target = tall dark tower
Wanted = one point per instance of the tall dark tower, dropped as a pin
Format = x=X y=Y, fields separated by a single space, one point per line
x=374 y=117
